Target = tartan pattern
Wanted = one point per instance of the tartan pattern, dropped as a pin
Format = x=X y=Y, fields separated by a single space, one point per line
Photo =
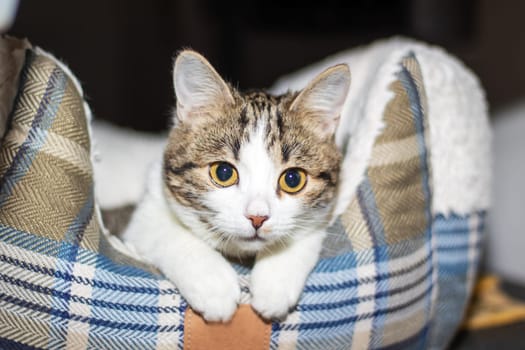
x=459 y=240
x=62 y=285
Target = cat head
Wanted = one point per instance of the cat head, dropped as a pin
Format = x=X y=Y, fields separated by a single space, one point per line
x=249 y=171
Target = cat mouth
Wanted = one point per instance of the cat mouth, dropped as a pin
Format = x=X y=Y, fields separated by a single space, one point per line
x=254 y=238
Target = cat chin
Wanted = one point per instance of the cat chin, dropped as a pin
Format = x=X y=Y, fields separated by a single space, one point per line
x=243 y=248
x=250 y=247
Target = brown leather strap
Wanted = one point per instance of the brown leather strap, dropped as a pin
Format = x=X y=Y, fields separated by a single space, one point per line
x=246 y=330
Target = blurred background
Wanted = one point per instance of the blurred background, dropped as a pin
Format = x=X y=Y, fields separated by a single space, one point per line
x=122 y=52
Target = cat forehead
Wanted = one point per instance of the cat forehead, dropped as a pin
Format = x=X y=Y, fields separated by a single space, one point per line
x=263 y=97
x=251 y=111
x=261 y=100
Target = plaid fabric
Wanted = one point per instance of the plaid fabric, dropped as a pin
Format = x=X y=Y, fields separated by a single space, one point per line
x=61 y=283
x=458 y=246
x=63 y=286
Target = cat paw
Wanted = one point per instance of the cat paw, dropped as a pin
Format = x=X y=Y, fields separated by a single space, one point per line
x=216 y=307
x=273 y=303
x=215 y=295
x=273 y=296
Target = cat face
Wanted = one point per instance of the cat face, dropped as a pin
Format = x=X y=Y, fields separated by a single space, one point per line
x=247 y=172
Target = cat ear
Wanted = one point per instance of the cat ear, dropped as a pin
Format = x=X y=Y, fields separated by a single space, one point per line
x=323 y=99
x=198 y=86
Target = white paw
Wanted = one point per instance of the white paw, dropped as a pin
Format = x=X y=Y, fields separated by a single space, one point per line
x=274 y=296
x=213 y=292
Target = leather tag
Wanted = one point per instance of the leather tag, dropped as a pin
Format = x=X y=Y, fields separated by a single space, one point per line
x=246 y=330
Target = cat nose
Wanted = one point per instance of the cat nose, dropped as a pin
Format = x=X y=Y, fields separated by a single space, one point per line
x=257 y=220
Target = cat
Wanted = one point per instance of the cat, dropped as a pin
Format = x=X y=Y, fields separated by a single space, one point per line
x=243 y=174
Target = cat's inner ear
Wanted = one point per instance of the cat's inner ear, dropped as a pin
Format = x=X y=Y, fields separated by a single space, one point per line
x=322 y=100
x=199 y=89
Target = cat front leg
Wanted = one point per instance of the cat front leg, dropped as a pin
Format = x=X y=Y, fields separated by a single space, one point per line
x=278 y=277
x=203 y=276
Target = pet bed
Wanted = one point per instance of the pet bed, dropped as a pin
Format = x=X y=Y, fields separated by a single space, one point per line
x=398 y=273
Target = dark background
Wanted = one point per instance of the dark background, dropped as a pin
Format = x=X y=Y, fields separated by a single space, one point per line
x=122 y=51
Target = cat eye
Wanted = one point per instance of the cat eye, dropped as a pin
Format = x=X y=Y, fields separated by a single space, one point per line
x=292 y=180
x=223 y=174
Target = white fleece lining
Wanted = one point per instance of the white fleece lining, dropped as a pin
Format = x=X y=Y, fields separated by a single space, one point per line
x=459 y=131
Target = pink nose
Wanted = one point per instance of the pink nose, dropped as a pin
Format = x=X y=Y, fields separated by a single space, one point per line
x=257 y=220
